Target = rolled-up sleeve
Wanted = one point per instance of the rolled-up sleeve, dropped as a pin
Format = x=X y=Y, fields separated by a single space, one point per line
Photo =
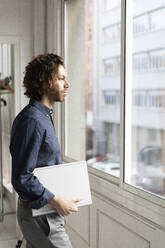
x=24 y=147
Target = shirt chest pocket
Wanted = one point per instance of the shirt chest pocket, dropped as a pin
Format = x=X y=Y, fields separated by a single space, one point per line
x=49 y=145
x=49 y=151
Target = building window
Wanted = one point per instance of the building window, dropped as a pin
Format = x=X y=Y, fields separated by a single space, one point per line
x=111 y=4
x=140 y=24
x=145 y=22
x=140 y=62
x=149 y=98
x=157 y=60
x=156 y=17
x=153 y=60
x=111 y=33
x=111 y=66
x=111 y=97
x=149 y=21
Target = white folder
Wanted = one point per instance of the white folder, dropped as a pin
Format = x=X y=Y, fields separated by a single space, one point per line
x=66 y=180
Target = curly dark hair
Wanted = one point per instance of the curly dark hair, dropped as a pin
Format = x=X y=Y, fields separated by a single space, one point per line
x=39 y=74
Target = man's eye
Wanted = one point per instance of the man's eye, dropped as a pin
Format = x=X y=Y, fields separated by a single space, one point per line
x=60 y=78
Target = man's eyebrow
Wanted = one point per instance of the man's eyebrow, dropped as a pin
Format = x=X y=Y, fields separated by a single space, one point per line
x=61 y=75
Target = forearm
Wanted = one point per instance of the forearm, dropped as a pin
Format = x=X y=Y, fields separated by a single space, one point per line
x=32 y=191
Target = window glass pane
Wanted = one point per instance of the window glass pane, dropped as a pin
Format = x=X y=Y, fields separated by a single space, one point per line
x=110 y=4
x=145 y=121
x=75 y=128
x=102 y=70
x=156 y=17
x=140 y=24
x=111 y=33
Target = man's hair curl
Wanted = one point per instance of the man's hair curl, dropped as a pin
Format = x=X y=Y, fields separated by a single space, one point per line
x=39 y=74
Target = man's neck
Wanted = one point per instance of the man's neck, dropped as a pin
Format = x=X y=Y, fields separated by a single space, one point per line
x=46 y=102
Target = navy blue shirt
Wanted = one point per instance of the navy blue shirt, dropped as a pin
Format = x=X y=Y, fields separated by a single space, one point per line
x=33 y=144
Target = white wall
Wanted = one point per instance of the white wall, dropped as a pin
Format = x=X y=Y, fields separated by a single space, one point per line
x=16 y=18
x=22 y=26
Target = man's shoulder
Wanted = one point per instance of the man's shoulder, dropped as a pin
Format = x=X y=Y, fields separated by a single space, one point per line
x=29 y=115
x=29 y=111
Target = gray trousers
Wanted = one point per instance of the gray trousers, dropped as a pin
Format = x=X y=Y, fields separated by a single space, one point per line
x=45 y=231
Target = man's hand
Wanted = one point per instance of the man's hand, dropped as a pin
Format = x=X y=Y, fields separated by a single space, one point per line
x=65 y=206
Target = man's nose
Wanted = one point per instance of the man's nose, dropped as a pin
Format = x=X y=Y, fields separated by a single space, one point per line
x=67 y=84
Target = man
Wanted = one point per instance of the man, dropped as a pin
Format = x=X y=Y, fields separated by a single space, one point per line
x=34 y=144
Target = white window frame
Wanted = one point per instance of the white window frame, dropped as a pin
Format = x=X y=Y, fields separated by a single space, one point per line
x=63 y=119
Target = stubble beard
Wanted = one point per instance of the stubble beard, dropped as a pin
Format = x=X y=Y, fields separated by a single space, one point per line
x=56 y=97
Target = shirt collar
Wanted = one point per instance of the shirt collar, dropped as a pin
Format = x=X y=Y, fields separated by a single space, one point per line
x=43 y=108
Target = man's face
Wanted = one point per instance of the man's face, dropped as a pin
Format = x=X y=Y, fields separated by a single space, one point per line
x=60 y=86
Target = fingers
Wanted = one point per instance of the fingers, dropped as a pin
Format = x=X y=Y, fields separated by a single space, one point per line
x=67 y=211
x=77 y=199
x=74 y=209
x=67 y=206
x=64 y=212
x=71 y=209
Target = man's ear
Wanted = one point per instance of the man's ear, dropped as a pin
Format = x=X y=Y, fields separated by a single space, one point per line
x=50 y=84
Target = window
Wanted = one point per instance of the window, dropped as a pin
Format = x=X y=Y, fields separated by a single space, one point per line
x=91 y=79
x=157 y=60
x=156 y=17
x=149 y=98
x=140 y=62
x=111 y=33
x=6 y=79
x=140 y=24
x=102 y=147
x=111 y=66
x=149 y=21
x=5 y=59
x=140 y=99
x=144 y=164
x=96 y=106
x=150 y=60
x=111 y=4
x=156 y=98
x=111 y=97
